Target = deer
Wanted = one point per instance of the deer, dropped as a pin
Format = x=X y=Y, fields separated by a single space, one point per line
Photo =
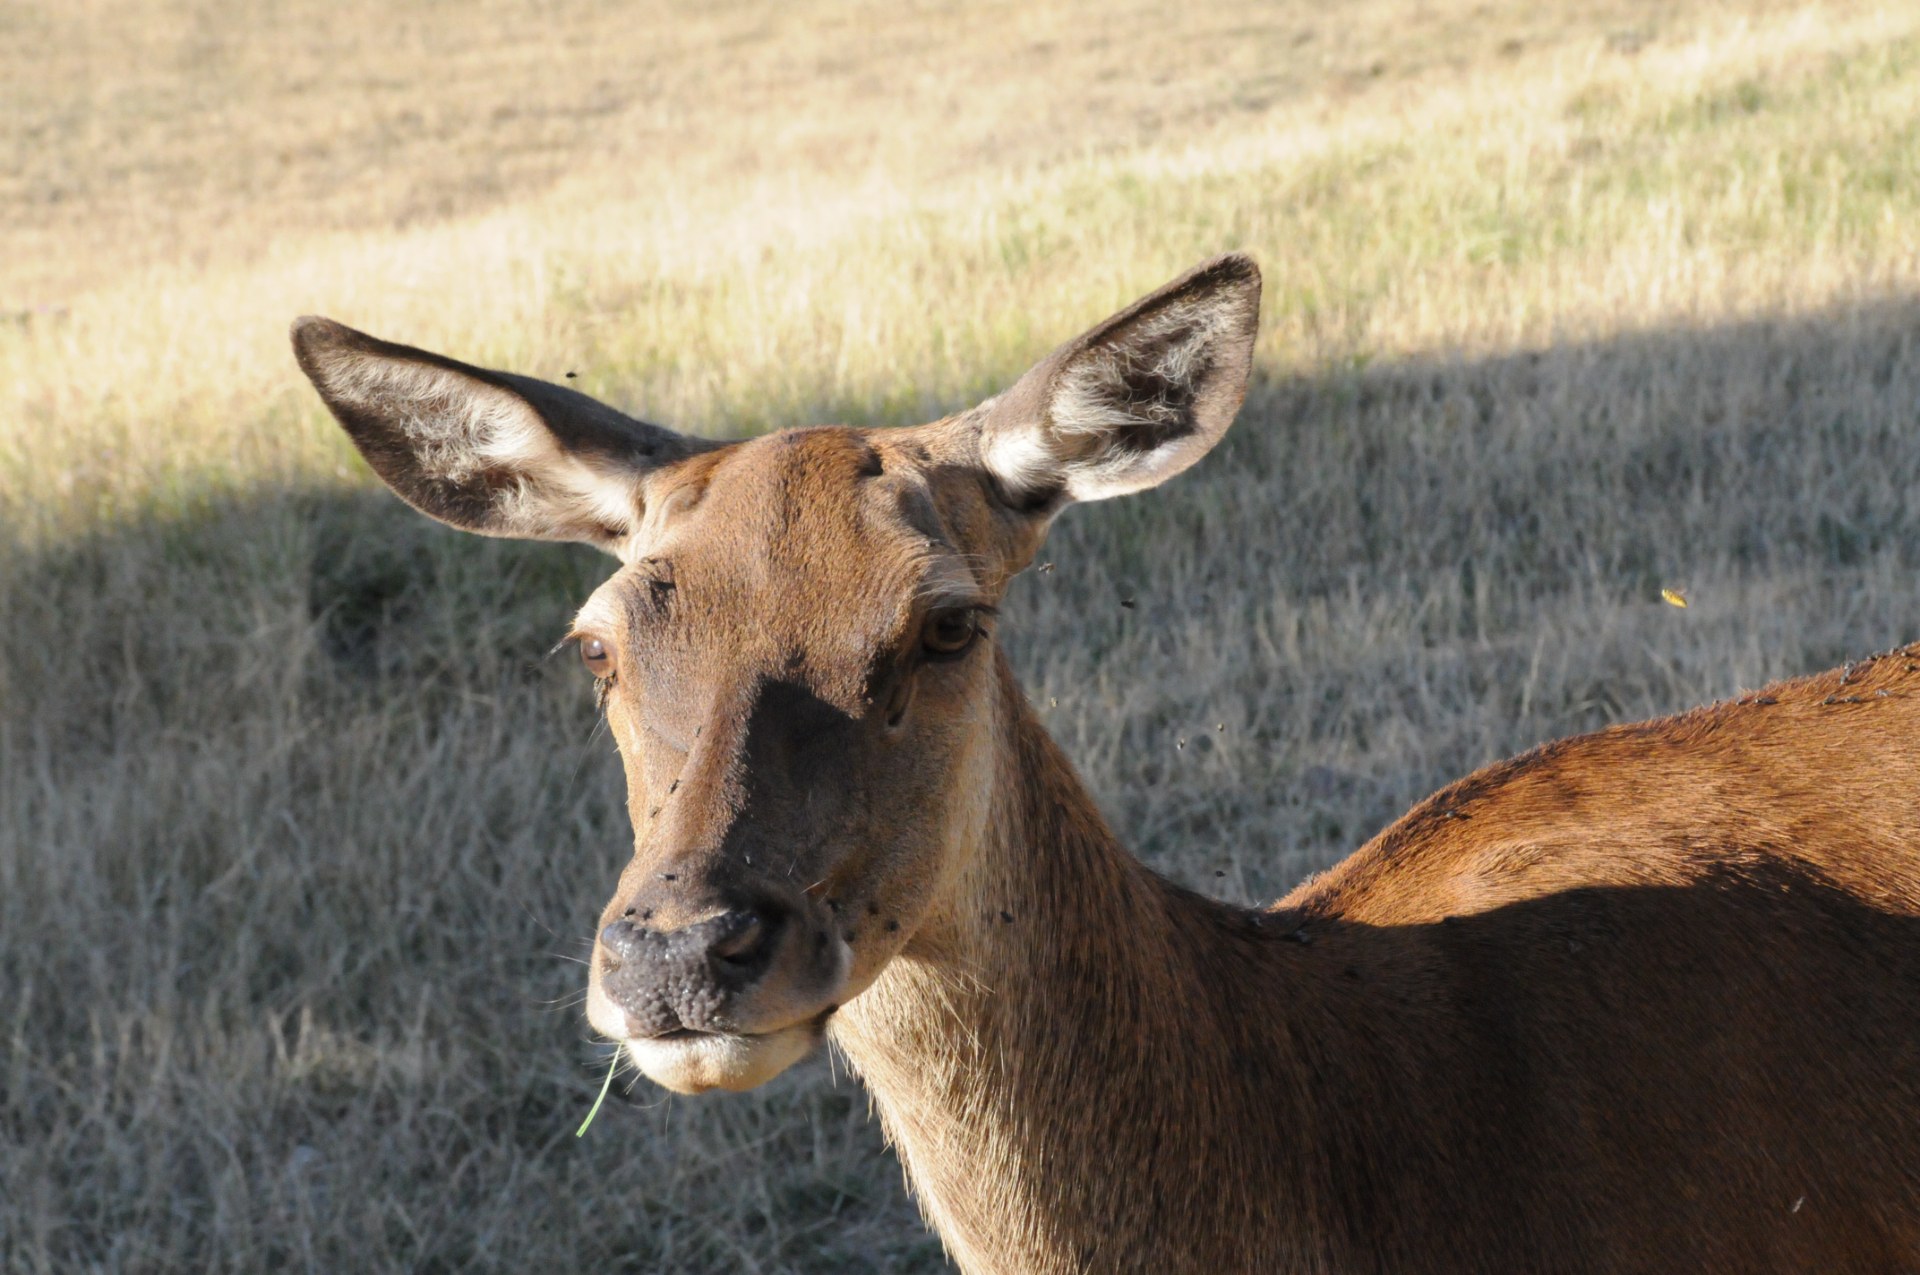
x=1640 y=1000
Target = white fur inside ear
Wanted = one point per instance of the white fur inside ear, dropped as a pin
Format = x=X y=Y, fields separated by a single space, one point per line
x=462 y=431
x=1099 y=391
x=1101 y=480
x=554 y=484
x=1120 y=416
x=1022 y=462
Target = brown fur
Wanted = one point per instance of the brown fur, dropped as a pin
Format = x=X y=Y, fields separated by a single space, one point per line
x=1645 y=1000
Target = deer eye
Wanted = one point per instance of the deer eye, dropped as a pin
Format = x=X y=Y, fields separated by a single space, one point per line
x=949 y=633
x=597 y=656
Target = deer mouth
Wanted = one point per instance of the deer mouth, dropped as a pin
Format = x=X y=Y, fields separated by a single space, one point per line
x=693 y=1062
x=682 y=1033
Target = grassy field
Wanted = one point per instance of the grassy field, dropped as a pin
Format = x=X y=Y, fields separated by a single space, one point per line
x=302 y=830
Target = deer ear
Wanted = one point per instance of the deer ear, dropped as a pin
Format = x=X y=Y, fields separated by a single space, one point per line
x=1135 y=400
x=490 y=452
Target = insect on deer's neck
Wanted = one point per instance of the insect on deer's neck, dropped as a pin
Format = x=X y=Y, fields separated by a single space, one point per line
x=1067 y=1009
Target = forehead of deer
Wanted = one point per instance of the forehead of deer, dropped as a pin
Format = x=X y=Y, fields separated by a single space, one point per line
x=822 y=537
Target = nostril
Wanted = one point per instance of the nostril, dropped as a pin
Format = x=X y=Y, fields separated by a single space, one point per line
x=746 y=940
x=741 y=941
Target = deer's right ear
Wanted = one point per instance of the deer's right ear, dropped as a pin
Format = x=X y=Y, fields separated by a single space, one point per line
x=490 y=452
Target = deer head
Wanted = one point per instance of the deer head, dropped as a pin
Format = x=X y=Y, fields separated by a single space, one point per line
x=796 y=652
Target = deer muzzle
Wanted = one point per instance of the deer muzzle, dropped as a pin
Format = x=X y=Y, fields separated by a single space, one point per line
x=723 y=1002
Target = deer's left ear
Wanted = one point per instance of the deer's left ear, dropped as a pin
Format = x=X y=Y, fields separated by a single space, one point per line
x=1135 y=400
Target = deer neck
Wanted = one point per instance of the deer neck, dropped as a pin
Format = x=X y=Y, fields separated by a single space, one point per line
x=1067 y=1011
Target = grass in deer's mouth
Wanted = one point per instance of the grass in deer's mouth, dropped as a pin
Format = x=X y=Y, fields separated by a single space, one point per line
x=613 y=1065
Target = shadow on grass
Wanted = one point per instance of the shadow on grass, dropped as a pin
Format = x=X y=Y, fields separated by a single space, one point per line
x=302 y=820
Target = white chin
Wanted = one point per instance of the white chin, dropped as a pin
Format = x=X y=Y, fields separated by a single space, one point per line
x=696 y=1064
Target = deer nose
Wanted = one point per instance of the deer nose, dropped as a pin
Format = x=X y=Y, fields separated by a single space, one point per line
x=691 y=971
x=733 y=941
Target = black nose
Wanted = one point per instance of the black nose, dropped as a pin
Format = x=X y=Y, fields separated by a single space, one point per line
x=669 y=979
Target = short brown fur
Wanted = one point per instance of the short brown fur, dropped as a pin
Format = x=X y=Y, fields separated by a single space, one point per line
x=1643 y=1000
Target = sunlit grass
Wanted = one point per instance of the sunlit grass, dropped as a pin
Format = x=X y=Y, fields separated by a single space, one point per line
x=1763 y=171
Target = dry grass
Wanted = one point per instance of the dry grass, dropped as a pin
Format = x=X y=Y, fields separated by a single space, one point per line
x=147 y=133
x=298 y=824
